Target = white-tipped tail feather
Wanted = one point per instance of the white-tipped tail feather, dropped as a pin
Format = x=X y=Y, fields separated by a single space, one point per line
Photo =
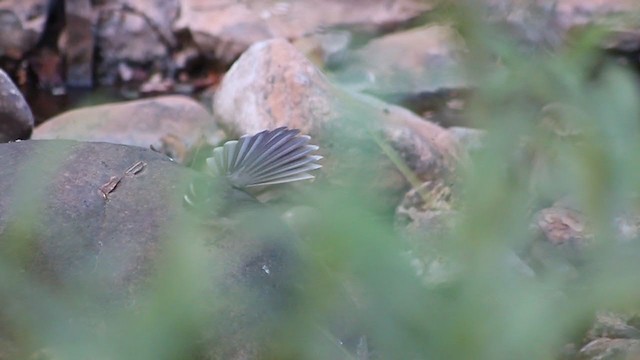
x=266 y=158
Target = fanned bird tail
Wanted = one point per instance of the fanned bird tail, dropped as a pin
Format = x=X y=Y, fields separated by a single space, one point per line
x=267 y=158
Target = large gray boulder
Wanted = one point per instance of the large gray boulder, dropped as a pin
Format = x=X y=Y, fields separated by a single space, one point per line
x=103 y=226
x=75 y=203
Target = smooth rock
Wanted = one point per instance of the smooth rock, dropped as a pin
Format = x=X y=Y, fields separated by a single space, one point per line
x=16 y=119
x=272 y=85
x=405 y=64
x=170 y=124
x=75 y=237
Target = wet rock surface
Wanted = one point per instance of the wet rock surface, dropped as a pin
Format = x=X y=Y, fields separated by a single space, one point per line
x=169 y=124
x=16 y=119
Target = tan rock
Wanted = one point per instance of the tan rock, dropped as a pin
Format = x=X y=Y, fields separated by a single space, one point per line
x=273 y=85
x=169 y=123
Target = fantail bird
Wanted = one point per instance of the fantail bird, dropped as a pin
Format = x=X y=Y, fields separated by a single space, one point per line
x=238 y=219
x=267 y=158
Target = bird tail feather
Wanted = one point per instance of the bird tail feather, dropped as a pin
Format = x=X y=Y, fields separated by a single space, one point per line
x=266 y=158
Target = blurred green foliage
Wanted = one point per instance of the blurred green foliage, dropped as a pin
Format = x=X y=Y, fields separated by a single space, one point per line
x=358 y=295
